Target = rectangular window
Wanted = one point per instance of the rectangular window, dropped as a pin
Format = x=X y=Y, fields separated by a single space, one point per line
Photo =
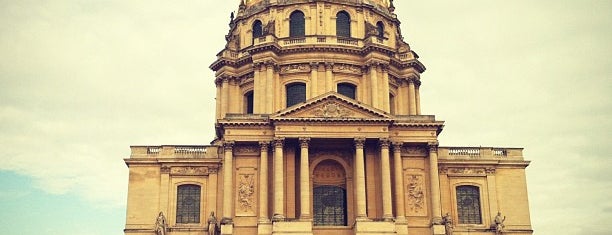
x=468 y=205
x=188 y=204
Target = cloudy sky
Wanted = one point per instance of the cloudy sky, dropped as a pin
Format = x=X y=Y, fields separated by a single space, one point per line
x=82 y=80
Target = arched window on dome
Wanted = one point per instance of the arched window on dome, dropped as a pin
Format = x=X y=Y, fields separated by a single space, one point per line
x=468 y=204
x=380 y=29
x=347 y=89
x=188 y=204
x=248 y=102
x=391 y=104
x=343 y=24
x=257 y=30
x=297 y=24
x=296 y=93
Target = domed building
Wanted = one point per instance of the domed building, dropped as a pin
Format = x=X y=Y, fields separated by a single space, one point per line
x=320 y=131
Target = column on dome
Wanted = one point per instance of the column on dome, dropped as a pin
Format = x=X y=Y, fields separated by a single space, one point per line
x=364 y=93
x=398 y=174
x=360 y=190
x=418 y=98
x=225 y=96
x=314 y=76
x=218 y=98
x=263 y=181
x=228 y=179
x=304 y=180
x=374 y=85
x=329 y=77
x=258 y=88
x=269 y=88
x=412 y=97
x=279 y=190
x=278 y=103
x=436 y=209
x=386 y=180
x=235 y=96
x=401 y=98
x=385 y=89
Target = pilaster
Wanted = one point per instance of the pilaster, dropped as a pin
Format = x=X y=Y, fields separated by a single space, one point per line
x=360 y=190
x=279 y=193
x=386 y=180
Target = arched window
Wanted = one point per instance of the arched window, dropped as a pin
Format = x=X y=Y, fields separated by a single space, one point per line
x=380 y=29
x=347 y=89
x=329 y=194
x=257 y=29
x=296 y=93
x=248 y=102
x=297 y=24
x=188 y=204
x=468 y=205
x=343 y=24
x=391 y=103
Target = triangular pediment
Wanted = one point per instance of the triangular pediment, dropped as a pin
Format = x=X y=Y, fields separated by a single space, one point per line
x=331 y=106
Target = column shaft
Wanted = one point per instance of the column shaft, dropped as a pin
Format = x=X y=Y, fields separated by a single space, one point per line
x=329 y=77
x=228 y=179
x=263 y=182
x=360 y=179
x=225 y=95
x=374 y=86
x=435 y=183
x=314 y=77
x=269 y=101
x=385 y=91
x=304 y=180
x=257 y=92
x=418 y=99
x=400 y=208
x=279 y=188
x=386 y=180
x=412 y=98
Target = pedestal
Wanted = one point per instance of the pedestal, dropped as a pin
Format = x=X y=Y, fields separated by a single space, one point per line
x=401 y=227
x=264 y=228
x=438 y=229
x=227 y=229
x=374 y=228
x=292 y=228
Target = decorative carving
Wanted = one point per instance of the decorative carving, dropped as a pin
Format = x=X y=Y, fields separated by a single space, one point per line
x=228 y=145
x=213 y=170
x=371 y=30
x=433 y=146
x=278 y=142
x=331 y=110
x=397 y=146
x=416 y=195
x=467 y=171
x=443 y=171
x=347 y=68
x=249 y=149
x=189 y=170
x=490 y=171
x=384 y=143
x=270 y=28
x=165 y=170
x=263 y=146
x=246 y=191
x=304 y=142
x=415 y=151
x=499 y=223
x=447 y=221
x=359 y=142
x=295 y=68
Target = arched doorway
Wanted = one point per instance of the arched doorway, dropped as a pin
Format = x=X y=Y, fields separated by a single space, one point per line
x=329 y=194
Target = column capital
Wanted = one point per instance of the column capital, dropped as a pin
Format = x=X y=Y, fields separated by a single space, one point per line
x=264 y=145
x=384 y=143
x=329 y=65
x=359 y=142
x=279 y=142
x=228 y=145
x=433 y=146
x=304 y=141
x=314 y=65
x=397 y=146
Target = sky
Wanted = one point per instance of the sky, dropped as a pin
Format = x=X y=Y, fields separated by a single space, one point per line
x=82 y=80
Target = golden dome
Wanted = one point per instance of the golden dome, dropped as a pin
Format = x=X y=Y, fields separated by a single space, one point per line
x=384 y=3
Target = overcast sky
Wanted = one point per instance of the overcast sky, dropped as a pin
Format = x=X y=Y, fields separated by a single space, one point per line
x=82 y=80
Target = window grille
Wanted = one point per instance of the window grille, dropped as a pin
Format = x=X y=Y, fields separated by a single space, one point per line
x=329 y=206
x=347 y=89
x=468 y=205
x=297 y=24
x=188 y=204
x=257 y=29
x=343 y=24
x=296 y=93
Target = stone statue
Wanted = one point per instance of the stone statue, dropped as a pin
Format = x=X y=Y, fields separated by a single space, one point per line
x=161 y=226
x=270 y=28
x=499 y=223
x=448 y=224
x=212 y=224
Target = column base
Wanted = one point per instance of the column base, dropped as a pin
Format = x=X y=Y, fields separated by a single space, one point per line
x=401 y=226
x=264 y=228
x=227 y=229
x=292 y=228
x=374 y=228
x=438 y=229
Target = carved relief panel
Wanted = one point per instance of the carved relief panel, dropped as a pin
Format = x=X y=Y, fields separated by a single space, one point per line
x=246 y=186
x=415 y=192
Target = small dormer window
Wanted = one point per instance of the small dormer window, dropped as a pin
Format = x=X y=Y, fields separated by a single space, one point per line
x=297 y=24
x=343 y=24
x=257 y=29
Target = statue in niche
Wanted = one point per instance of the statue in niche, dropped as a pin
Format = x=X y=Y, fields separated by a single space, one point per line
x=447 y=221
x=499 y=223
x=161 y=226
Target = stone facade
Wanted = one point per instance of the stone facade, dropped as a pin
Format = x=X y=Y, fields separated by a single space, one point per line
x=323 y=134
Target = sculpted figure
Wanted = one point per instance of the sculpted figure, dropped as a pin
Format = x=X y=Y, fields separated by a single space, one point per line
x=499 y=223
x=212 y=224
x=161 y=226
x=448 y=224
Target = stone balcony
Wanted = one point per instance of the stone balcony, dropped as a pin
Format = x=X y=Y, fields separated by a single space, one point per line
x=484 y=153
x=174 y=151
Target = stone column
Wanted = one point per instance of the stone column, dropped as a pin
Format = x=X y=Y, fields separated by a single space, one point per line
x=228 y=179
x=360 y=189
x=329 y=77
x=374 y=85
x=279 y=174
x=412 y=97
x=218 y=98
x=400 y=207
x=435 y=183
x=386 y=180
x=269 y=87
x=263 y=182
x=225 y=97
x=314 y=77
x=385 y=90
x=304 y=180
x=257 y=85
x=418 y=98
